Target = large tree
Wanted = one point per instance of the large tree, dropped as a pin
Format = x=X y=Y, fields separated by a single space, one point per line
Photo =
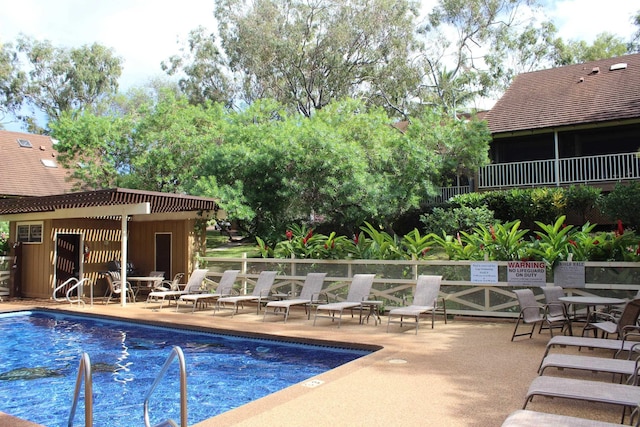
x=306 y=54
x=60 y=79
x=604 y=46
x=11 y=82
x=203 y=71
x=344 y=165
x=157 y=146
x=474 y=47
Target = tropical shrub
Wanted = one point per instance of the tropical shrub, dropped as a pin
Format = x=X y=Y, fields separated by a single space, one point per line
x=581 y=199
x=623 y=203
x=551 y=243
x=450 y=221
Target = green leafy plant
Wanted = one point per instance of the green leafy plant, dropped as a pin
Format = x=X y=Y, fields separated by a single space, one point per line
x=558 y=242
x=499 y=242
x=416 y=245
x=623 y=203
x=383 y=244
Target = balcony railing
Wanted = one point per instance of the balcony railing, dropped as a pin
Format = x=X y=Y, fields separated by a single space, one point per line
x=574 y=170
x=448 y=192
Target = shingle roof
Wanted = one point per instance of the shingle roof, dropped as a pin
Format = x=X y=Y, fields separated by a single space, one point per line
x=23 y=172
x=591 y=92
x=160 y=202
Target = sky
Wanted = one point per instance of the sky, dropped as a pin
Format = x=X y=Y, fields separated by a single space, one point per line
x=145 y=32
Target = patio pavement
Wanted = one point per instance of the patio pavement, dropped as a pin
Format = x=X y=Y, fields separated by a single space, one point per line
x=464 y=373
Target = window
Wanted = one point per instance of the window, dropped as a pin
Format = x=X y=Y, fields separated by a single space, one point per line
x=49 y=163
x=25 y=143
x=29 y=232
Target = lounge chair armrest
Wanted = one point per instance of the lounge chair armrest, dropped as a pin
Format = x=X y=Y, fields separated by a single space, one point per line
x=562 y=306
x=208 y=285
x=603 y=317
x=320 y=298
x=165 y=285
x=626 y=335
x=541 y=309
x=626 y=329
x=210 y=282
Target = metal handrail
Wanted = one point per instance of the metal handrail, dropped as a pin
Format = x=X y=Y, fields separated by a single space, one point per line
x=84 y=371
x=66 y=282
x=175 y=352
x=79 y=284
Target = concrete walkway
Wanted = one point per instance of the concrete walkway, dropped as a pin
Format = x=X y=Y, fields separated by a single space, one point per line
x=464 y=373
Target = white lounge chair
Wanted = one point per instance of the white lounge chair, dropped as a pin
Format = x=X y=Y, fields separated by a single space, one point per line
x=623 y=395
x=259 y=295
x=425 y=300
x=626 y=368
x=310 y=294
x=526 y=418
x=224 y=288
x=169 y=285
x=193 y=286
x=625 y=344
x=358 y=292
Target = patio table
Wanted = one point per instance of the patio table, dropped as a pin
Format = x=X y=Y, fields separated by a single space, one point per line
x=151 y=282
x=590 y=302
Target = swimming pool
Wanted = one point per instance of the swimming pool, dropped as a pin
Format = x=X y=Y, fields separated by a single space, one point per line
x=41 y=351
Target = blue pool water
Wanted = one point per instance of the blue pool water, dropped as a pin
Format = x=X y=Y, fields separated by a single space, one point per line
x=40 y=354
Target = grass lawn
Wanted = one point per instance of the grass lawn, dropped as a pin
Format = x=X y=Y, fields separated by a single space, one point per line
x=218 y=246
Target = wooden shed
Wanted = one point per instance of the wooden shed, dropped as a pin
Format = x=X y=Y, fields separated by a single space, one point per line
x=78 y=234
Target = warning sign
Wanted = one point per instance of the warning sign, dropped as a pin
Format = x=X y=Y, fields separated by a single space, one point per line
x=527 y=273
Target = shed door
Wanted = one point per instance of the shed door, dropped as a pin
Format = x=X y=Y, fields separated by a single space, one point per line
x=67 y=259
x=163 y=254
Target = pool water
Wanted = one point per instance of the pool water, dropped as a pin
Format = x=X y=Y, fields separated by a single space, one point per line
x=41 y=351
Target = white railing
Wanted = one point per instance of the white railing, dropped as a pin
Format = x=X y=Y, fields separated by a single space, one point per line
x=574 y=170
x=395 y=279
x=445 y=193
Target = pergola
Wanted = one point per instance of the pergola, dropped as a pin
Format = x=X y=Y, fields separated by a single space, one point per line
x=126 y=204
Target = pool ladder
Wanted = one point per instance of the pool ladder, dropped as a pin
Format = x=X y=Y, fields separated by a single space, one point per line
x=84 y=372
x=77 y=285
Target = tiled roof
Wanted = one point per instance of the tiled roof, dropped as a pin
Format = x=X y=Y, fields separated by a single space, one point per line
x=22 y=171
x=591 y=92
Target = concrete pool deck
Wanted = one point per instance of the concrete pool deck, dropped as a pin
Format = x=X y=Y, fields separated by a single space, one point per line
x=464 y=373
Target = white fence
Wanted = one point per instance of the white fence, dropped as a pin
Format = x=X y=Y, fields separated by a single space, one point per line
x=395 y=279
x=574 y=170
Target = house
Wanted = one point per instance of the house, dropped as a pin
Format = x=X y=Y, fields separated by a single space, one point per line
x=57 y=233
x=30 y=166
x=79 y=234
x=578 y=124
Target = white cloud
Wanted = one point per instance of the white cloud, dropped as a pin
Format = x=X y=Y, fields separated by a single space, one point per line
x=585 y=19
x=142 y=32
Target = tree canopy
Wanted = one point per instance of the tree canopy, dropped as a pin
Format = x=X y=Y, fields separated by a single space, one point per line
x=308 y=54
x=289 y=111
x=344 y=165
x=56 y=79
